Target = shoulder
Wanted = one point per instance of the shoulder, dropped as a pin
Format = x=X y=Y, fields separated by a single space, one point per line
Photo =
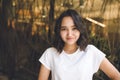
x=51 y=49
x=49 y=53
x=91 y=47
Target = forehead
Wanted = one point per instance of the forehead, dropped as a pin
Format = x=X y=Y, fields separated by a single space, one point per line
x=67 y=21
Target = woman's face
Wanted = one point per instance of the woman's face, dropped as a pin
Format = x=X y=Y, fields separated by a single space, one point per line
x=68 y=32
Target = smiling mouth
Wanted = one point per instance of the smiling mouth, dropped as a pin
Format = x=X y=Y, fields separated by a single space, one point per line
x=69 y=38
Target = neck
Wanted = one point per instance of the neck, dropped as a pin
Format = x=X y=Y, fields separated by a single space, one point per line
x=70 y=49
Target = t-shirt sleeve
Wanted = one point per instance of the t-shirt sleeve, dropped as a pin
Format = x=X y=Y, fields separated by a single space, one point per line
x=98 y=58
x=45 y=59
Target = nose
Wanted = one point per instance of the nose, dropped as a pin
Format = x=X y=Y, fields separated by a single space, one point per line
x=69 y=33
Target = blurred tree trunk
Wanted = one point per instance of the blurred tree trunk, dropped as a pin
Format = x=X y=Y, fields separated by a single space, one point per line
x=4 y=15
x=4 y=12
x=3 y=27
x=51 y=19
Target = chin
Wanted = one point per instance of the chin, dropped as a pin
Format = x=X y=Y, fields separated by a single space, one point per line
x=71 y=43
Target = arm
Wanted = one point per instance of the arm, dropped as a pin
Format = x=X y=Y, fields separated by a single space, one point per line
x=44 y=73
x=109 y=70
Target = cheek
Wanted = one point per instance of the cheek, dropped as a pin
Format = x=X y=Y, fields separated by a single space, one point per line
x=62 y=34
x=78 y=34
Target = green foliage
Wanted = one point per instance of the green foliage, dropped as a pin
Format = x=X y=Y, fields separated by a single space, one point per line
x=103 y=44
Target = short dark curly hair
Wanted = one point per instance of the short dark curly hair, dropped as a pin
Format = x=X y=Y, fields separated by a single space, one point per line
x=82 y=42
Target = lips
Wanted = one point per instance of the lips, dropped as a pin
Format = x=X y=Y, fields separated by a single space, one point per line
x=70 y=38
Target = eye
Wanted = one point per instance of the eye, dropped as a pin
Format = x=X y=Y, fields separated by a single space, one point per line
x=75 y=28
x=62 y=29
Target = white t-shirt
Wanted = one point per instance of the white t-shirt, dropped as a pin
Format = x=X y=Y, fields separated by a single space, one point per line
x=81 y=65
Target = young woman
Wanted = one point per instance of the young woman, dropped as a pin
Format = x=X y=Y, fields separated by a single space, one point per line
x=71 y=57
